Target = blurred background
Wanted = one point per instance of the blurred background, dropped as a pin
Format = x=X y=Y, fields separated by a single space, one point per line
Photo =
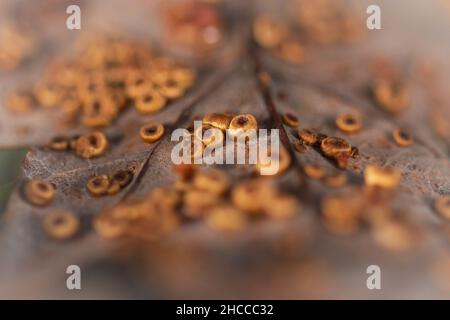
x=10 y=161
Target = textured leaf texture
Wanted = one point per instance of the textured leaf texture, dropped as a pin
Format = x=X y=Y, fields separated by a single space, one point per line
x=293 y=258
